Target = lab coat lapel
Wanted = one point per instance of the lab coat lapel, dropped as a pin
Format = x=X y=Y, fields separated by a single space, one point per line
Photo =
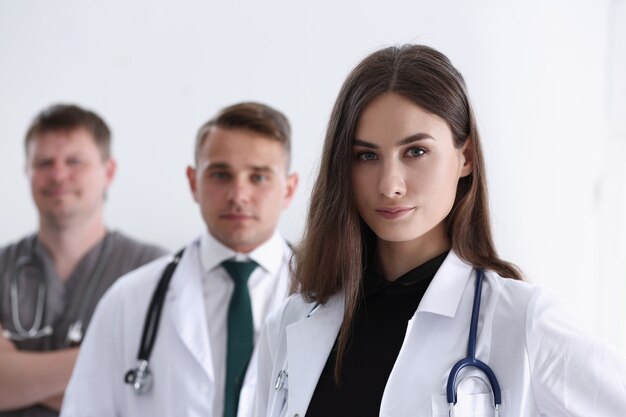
x=309 y=342
x=436 y=338
x=444 y=293
x=188 y=313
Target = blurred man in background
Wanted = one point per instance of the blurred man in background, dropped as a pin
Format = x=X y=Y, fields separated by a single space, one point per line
x=50 y=281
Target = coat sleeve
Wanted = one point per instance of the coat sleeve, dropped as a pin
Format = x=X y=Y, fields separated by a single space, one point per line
x=572 y=374
x=96 y=384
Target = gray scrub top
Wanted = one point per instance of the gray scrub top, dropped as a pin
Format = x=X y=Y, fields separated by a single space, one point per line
x=109 y=259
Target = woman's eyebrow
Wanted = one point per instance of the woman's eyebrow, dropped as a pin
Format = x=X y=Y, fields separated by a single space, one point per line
x=414 y=138
x=365 y=144
x=410 y=139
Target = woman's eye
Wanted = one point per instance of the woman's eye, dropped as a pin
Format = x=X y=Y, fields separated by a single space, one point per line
x=413 y=152
x=366 y=156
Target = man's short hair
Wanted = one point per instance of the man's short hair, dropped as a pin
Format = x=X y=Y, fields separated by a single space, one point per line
x=70 y=117
x=255 y=117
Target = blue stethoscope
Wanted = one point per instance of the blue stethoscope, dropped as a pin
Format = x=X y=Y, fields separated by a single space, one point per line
x=470 y=360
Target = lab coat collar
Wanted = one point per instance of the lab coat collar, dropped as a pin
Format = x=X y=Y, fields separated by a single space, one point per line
x=309 y=342
x=268 y=256
x=186 y=300
x=446 y=289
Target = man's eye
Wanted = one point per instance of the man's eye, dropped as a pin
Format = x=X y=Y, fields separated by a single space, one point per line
x=259 y=178
x=219 y=175
x=414 y=152
x=366 y=156
x=44 y=163
x=74 y=161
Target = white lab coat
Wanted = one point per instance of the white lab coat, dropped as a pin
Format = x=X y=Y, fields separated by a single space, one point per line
x=181 y=360
x=545 y=367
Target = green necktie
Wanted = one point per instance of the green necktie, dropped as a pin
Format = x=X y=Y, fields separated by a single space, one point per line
x=240 y=338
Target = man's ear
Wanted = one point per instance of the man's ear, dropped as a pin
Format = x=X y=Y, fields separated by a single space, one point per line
x=110 y=167
x=467 y=158
x=191 y=178
x=292 y=186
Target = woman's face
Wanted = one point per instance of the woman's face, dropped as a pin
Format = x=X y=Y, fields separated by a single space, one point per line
x=405 y=170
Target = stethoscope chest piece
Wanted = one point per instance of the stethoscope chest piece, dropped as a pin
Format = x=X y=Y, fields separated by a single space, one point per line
x=140 y=378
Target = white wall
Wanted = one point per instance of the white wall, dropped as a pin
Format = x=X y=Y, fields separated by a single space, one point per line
x=543 y=76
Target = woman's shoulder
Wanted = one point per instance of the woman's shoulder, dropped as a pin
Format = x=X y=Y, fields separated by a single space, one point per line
x=532 y=305
x=517 y=302
x=513 y=290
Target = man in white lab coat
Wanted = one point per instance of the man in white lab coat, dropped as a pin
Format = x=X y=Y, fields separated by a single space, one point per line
x=201 y=360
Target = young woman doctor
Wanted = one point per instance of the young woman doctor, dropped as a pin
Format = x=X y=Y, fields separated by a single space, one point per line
x=396 y=256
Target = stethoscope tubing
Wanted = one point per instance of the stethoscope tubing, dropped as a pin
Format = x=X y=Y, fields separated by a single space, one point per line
x=471 y=360
x=140 y=377
x=37 y=330
x=153 y=317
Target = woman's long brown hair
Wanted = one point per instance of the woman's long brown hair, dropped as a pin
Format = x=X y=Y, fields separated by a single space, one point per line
x=336 y=242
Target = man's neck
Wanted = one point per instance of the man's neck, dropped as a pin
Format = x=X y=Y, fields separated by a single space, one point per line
x=68 y=244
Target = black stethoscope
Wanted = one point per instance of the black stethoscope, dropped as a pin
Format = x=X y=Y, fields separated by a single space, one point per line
x=470 y=360
x=31 y=261
x=140 y=378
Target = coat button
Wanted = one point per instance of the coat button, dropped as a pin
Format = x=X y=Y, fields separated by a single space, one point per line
x=296 y=415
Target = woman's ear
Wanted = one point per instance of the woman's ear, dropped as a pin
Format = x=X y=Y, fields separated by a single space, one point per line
x=467 y=158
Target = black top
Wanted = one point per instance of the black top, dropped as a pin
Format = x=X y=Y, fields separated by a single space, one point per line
x=377 y=335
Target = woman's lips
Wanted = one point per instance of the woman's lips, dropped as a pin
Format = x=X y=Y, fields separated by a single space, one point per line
x=391 y=213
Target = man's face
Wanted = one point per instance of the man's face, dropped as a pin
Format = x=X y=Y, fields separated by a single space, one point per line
x=68 y=176
x=242 y=186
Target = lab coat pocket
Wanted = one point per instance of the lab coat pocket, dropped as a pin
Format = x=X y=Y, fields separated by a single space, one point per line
x=474 y=399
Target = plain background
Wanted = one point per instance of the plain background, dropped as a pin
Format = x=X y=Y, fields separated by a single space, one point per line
x=547 y=79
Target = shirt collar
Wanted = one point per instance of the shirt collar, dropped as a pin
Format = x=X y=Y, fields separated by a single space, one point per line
x=374 y=282
x=268 y=256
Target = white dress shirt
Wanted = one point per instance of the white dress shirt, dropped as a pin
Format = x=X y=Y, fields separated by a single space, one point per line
x=218 y=286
